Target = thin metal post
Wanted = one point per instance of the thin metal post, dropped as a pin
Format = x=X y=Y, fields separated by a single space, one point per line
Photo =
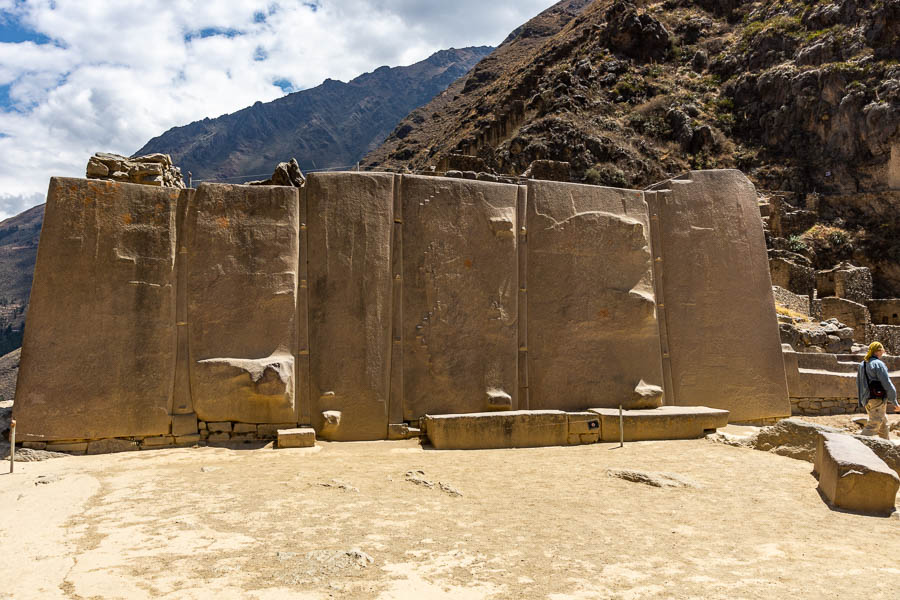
x=621 y=428
x=12 y=446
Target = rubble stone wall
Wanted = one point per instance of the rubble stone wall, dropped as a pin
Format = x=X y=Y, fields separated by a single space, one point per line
x=795 y=302
x=166 y=317
x=889 y=336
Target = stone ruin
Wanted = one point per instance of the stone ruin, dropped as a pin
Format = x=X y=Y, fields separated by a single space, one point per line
x=363 y=302
x=827 y=318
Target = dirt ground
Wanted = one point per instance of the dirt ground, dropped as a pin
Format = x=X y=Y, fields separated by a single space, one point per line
x=343 y=521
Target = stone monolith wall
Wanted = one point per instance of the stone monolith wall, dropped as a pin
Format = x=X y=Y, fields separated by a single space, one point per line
x=365 y=300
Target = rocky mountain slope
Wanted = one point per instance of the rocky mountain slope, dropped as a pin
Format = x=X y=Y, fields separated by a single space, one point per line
x=804 y=96
x=18 y=250
x=333 y=124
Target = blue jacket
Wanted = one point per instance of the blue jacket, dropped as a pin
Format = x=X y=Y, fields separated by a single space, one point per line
x=875 y=369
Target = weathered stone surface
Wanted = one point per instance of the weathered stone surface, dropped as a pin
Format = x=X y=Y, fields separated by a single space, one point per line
x=302 y=437
x=244 y=428
x=286 y=173
x=68 y=447
x=187 y=440
x=219 y=427
x=376 y=299
x=351 y=219
x=157 y=441
x=98 y=350
x=151 y=169
x=460 y=277
x=592 y=329
x=719 y=311
x=242 y=248
x=109 y=446
x=511 y=429
x=852 y=477
x=398 y=431
x=652 y=478
x=663 y=423
x=269 y=431
x=184 y=424
x=798 y=439
x=645 y=396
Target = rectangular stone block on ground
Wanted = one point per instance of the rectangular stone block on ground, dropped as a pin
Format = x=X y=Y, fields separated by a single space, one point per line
x=592 y=329
x=722 y=337
x=242 y=263
x=97 y=358
x=511 y=429
x=302 y=437
x=350 y=223
x=663 y=423
x=460 y=282
x=852 y=477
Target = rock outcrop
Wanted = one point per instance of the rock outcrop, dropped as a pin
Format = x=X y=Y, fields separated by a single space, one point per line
x=150 y=169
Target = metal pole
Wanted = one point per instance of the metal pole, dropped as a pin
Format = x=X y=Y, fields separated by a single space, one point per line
x=12 y=446
x=621 y=428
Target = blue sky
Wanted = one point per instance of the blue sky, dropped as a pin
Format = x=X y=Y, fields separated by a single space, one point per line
x=78 y=77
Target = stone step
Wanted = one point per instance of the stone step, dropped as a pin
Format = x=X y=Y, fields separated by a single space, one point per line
x=852 y=477
x=663 y=423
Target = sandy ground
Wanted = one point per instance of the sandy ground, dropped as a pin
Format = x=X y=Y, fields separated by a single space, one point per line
x=534 y=523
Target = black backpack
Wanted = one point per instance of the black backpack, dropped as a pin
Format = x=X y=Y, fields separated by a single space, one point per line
x=876 y=390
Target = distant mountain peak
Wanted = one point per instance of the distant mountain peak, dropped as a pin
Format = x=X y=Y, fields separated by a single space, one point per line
x=331 y=125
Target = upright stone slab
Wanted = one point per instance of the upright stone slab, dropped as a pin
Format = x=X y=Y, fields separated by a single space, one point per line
x=721 y=346
x=459 y=296
x=593 y=336
x=242 y=265
x=99 y=350
x=351 y=218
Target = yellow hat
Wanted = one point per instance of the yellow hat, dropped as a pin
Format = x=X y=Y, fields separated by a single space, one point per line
x=873 y=348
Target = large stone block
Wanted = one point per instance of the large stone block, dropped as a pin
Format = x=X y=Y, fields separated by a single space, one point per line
x=459 y=295
x=663 y=423
x=98 y=358
x=852 y=477
x=511 y=429
x=593 y=336
x=300 y=437
x=242 y=247
x=351 y=219
x=721 y=346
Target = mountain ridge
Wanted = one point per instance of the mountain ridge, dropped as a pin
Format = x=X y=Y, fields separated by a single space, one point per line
x=331 y=125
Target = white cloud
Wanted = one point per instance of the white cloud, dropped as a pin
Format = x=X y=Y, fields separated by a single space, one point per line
x=118 y=73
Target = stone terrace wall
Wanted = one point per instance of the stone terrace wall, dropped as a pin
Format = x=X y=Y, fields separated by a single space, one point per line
x=363 y=301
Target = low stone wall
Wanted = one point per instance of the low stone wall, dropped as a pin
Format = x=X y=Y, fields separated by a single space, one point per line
x=824 y=406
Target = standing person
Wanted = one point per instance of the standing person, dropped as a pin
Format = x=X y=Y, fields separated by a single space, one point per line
x=875 y=391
